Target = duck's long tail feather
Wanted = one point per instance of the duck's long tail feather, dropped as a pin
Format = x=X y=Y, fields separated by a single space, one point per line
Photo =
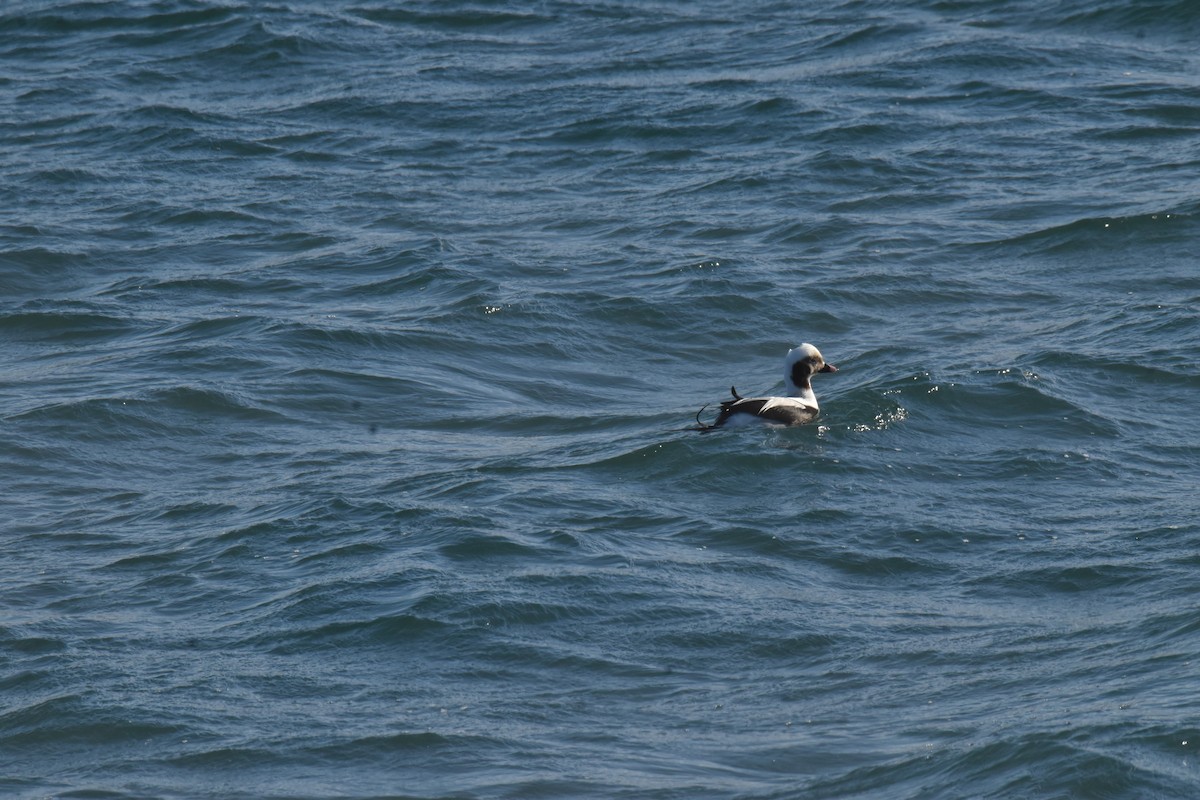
x=702 y=426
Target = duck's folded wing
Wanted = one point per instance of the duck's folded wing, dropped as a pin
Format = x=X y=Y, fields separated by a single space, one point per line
x=782 y=411
x=789 y=414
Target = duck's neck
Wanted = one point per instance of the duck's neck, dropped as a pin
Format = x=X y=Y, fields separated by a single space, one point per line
x=804 y=393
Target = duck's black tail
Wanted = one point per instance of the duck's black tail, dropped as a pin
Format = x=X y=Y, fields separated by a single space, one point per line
x=725 y=404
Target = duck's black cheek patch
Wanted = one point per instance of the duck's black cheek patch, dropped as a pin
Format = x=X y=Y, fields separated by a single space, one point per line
x=801 y=371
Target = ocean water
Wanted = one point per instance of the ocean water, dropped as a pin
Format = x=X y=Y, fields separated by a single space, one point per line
x=350 y=351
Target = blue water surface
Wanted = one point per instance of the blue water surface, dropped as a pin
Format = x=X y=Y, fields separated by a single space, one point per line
x=352 y=354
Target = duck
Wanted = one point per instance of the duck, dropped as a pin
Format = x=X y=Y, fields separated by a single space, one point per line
x=799 y=407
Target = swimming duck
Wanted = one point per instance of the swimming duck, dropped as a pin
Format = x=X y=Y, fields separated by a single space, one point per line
x=797 y=408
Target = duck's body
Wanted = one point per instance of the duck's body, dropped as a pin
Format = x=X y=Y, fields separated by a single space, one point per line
x=797 y=408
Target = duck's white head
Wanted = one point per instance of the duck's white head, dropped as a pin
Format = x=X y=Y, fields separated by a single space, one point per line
x=799 y=365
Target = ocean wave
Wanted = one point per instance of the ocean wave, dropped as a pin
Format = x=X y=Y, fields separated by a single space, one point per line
x=1063 y=765
x=1105 y=232
x=1172 y=18
x=163 y=413
x=462 y=19
x=66 y=323
x=83 y=17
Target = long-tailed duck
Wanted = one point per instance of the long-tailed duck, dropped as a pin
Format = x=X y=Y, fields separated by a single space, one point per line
x=798 y=408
